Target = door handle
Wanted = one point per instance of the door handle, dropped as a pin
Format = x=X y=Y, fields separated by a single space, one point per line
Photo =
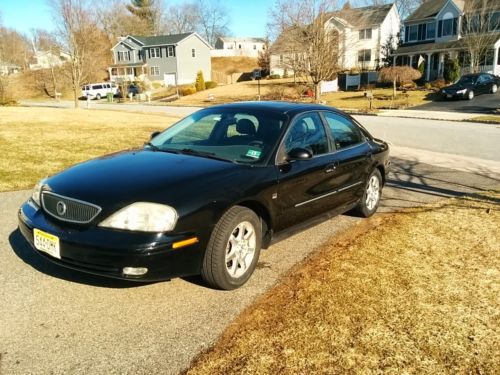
x=331 y=167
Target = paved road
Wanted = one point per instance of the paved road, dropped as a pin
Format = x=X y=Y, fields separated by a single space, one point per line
x=481 y=104
x=57 y=321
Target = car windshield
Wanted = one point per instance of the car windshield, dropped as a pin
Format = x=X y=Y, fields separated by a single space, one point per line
x=236 y=135
x=467 y=80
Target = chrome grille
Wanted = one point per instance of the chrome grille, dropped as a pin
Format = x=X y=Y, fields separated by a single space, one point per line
x=68 y=209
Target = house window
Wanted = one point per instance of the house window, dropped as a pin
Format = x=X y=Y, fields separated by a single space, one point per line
x=139 y=55
x=254 y=46
x=495 y=21
x=155 y=52
x=281 y=59
x=130 y=71
x=431 y=30
x=365 y=55
x=447 y=27
x=114 y=71
x=170 y=51
x=193 y=52
x=123 y=55
x=155 y=71
x=239 y=46
x=413 y=33
x=365 y=34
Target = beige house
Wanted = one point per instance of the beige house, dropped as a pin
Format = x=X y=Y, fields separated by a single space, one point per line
x=237 y=46
x=362 y=31
x=434 y=32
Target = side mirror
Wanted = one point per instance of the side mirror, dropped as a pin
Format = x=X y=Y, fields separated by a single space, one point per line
x=299 y=154
x=154 y=134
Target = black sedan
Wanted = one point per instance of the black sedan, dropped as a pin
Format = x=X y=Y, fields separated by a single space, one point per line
x=204 y=196
x=470 y=85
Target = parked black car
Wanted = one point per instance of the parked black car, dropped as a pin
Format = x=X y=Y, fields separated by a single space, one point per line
x=207 y=194
x=470 y=85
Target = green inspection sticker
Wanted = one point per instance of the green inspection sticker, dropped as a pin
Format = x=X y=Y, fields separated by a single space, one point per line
x=253 y=154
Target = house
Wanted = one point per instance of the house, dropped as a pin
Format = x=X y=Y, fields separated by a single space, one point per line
x=49 y=59
x=7 y=69
x=362 y=32
x=171 y=59
x=436 y=31
x=229 y=47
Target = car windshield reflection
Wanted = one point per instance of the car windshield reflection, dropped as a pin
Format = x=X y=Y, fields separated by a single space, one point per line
x=231 y=135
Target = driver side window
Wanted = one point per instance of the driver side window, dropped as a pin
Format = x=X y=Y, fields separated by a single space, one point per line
x=307 y=132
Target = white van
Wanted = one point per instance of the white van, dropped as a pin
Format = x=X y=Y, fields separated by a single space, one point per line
x=99 y=90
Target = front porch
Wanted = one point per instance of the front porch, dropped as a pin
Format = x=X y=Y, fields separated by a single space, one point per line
x=129 y=72
x=434 y=55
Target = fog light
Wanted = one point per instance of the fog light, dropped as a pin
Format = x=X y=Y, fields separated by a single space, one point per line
x=135 y=271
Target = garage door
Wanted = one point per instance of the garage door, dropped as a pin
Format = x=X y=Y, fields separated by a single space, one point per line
x=169 y=79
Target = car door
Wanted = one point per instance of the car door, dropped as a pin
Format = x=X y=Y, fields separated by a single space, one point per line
x=483 y=84
x=353 y=157
x=304 y=186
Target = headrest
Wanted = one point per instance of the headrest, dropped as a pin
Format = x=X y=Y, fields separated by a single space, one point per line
x=245 y=126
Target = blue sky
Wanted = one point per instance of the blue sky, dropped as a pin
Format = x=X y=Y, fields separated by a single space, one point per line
x=248 y=17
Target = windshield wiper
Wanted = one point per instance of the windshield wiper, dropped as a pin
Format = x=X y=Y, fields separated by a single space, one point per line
x=209 y=155
x=156 y=148
x=152 y=146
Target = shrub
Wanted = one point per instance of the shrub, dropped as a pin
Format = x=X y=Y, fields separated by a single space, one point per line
x=399 y=74
x=157 y=85
x=210 y=85
x=200 y=81
x=188 y=90
x=427 y=85
x=438 y=83
x=275 y=93
x=451 y=70
x=274 y=76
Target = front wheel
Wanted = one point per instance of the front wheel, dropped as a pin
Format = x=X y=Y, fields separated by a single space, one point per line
x=371 y=197
x=494 y=88
x=470 y=95
x=233 y=250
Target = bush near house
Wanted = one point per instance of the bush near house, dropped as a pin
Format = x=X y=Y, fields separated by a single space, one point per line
x=210 y=85
x=187 y=90
x=451 y=70
x=200 y=81
x=274 y=76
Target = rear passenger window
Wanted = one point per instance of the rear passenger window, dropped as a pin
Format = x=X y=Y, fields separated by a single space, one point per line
x=97 y=87
x=343 y=131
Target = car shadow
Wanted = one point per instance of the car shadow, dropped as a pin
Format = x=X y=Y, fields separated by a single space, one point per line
x=29 y=256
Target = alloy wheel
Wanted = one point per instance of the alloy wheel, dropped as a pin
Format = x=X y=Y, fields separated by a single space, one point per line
x=240 y=249
x=372 y=193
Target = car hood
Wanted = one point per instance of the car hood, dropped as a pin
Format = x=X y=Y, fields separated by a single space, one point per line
x=118 y=179
x=457 y=86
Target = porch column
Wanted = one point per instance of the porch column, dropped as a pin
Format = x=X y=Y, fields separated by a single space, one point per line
x=109 y=72
x=428 y=68
x=441 y=65
x=394 y=60
x=496 y=67
x=411 y=60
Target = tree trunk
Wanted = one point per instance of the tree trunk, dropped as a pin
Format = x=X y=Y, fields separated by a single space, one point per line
x=75 y=95
x=394 y=89
x=317 y=92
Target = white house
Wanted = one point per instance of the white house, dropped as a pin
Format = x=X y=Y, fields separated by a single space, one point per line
x=362 y=32
x=434 y=32
x=229 y=47
x=49 y=59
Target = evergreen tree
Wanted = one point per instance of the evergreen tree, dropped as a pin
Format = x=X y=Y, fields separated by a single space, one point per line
x=200 y=81
x=148 y=12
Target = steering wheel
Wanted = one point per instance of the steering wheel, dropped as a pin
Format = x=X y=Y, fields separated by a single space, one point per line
x=259 y=144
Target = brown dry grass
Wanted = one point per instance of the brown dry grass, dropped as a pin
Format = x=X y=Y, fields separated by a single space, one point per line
x=36 y=142
x=494 y=119
x=229 y=65
x=411 y=293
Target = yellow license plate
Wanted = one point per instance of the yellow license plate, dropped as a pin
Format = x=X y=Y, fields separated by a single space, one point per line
x=47 y=243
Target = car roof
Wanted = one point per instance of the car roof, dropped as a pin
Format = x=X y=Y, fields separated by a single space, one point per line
x=289 y=108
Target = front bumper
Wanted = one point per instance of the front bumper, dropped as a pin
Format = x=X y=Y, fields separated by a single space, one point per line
x=453 y=95
x=106 y=252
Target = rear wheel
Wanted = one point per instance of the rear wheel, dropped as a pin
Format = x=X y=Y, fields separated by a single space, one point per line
x=470 y=95
x=371 y=197
x=98 y=97
x=494 y=88
x=233 y=250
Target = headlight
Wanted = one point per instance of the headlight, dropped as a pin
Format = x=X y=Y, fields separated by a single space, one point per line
x=143 y=217
x=461 y=91
x=37 y=190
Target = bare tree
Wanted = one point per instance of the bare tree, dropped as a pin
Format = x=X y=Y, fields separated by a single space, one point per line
x=80 y=36
x=478 y=30
x=398 y=74
x=116 y=21
x=182 y=18
x=405 y=7
x=315 y=44
x=213 y=20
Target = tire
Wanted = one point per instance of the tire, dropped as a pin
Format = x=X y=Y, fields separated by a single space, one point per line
x=470 y=95
x=98 y=97
x=229 y=260
x=494 y=88
x=370 y=201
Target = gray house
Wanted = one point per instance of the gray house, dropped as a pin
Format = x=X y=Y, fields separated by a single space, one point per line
x=172 y=59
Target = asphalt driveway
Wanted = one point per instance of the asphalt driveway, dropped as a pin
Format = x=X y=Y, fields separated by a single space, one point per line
x=54 y=320
x=487 y=104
